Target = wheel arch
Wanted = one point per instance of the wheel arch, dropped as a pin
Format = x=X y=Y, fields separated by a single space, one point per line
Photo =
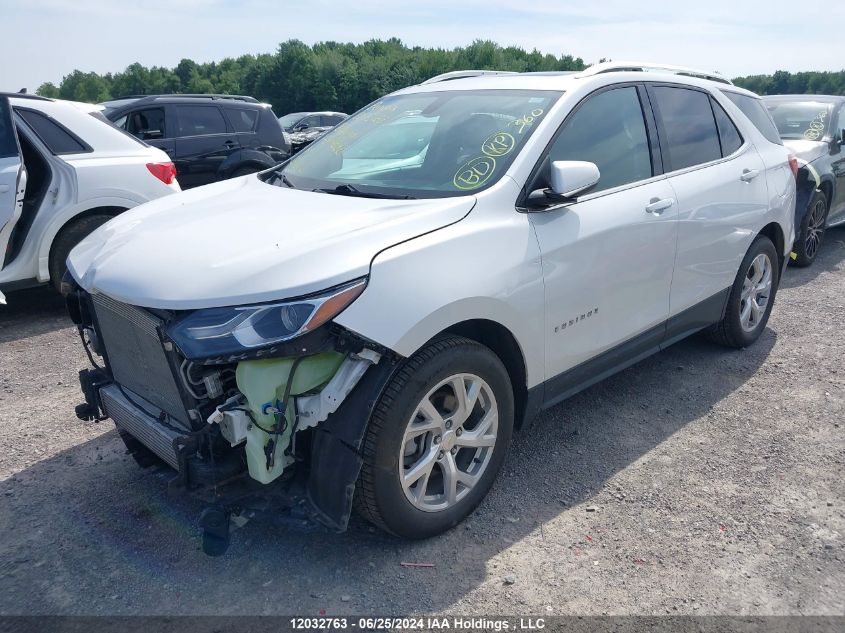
x=826 y=187
x=501 y=341
x=46 y=251
x=774 y=232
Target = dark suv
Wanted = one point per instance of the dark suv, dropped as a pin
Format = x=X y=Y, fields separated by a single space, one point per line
x=208 y=137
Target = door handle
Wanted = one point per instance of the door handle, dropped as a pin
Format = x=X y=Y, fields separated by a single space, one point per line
x=229 y=143
x=659 y=205
x=748 y=175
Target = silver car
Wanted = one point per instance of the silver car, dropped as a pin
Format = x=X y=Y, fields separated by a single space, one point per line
x=374 y=318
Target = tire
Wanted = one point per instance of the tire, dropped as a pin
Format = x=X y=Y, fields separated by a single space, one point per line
x=68 y=237
x=811 y=234
x=734 y=330
x=423 y=508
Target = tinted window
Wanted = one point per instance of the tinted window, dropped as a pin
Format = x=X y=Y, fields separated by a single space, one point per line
x=607 y=130
x=331 y=119
x=8 y=143
x=689 y=128
x=145 y=124
x=242 y=120
x=57 y=139
x=757 y=114
x=199 y=120
x=728 y=134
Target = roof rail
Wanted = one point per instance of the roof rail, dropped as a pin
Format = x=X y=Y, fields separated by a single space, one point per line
x=461 y=74
x=609 y=67
x=24 y=95
x=190 y=96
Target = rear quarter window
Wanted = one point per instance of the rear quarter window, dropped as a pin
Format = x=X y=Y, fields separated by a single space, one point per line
x=758 y=115
x=242 y=120
x=57 y=138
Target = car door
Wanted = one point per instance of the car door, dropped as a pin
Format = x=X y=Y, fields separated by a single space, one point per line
x=203 y=141
x=244 y=122
x=836 y=214
x=719 y=181
x=12 y=177
x=607 y=256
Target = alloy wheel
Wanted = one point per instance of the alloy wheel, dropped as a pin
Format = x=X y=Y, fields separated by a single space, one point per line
x=756 y=291
x=815 y=228
x=448 y=442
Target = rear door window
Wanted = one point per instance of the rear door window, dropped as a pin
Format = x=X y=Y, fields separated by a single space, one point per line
x=609 y=130
x=689 y=128
x=147 y=124
x=199 y=120
x=729 y=136
x=756 y=112
x=242 y=120
x=57 y=138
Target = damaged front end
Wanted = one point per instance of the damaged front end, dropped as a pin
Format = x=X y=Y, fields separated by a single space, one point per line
x=254 y=407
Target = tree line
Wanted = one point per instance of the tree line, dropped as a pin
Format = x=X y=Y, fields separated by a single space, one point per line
x=298 y=77
x=346 y=77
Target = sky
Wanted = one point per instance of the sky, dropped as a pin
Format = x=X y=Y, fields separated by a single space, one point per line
x=44 y=40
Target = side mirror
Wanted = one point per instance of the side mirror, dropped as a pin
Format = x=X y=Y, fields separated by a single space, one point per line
x=301 y=127
x=571 y=177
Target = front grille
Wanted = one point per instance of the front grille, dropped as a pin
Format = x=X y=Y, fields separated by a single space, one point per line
x=136 y=356
x=155 y=436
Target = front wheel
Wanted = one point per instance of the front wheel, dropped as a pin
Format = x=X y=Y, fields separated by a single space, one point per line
x=812 y=231
x=751 y=298
x=436 y=440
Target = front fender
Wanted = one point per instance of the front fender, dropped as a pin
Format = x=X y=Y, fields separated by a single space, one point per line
x=487 y=266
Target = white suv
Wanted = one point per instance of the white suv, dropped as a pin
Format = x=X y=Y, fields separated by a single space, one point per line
x=64 y=171
x=502 y=242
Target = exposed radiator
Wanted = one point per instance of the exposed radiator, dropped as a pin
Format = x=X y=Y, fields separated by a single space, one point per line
x=136 y=356
x=151 y=433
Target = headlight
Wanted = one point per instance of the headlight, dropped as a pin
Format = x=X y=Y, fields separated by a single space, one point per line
x=220 y=331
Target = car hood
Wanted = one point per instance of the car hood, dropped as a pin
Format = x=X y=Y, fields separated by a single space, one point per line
x=244 y=241
x=806 y=150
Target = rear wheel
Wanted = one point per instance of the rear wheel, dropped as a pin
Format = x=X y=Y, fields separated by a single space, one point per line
x=68 y=237
x=437 y=439
x=812 y=231
x=751 y=298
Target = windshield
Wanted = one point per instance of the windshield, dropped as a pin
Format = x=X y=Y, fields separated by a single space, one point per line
x=421 y=145
x=806 y=120
x=290 y=119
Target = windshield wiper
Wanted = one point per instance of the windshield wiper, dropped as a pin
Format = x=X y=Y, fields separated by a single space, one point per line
x=351 y=190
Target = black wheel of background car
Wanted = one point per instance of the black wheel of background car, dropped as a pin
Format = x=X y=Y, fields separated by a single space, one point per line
x=436 y=440
x=68 y=237
x=245 y=170
x=751 y=298
x=812 y=231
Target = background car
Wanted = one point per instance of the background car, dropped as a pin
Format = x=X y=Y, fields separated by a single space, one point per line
x=64 y=171
x=813 y=127
x=303 y=128
x=208 y=137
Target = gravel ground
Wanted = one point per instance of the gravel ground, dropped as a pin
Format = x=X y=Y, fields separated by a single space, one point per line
x=701 y=481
